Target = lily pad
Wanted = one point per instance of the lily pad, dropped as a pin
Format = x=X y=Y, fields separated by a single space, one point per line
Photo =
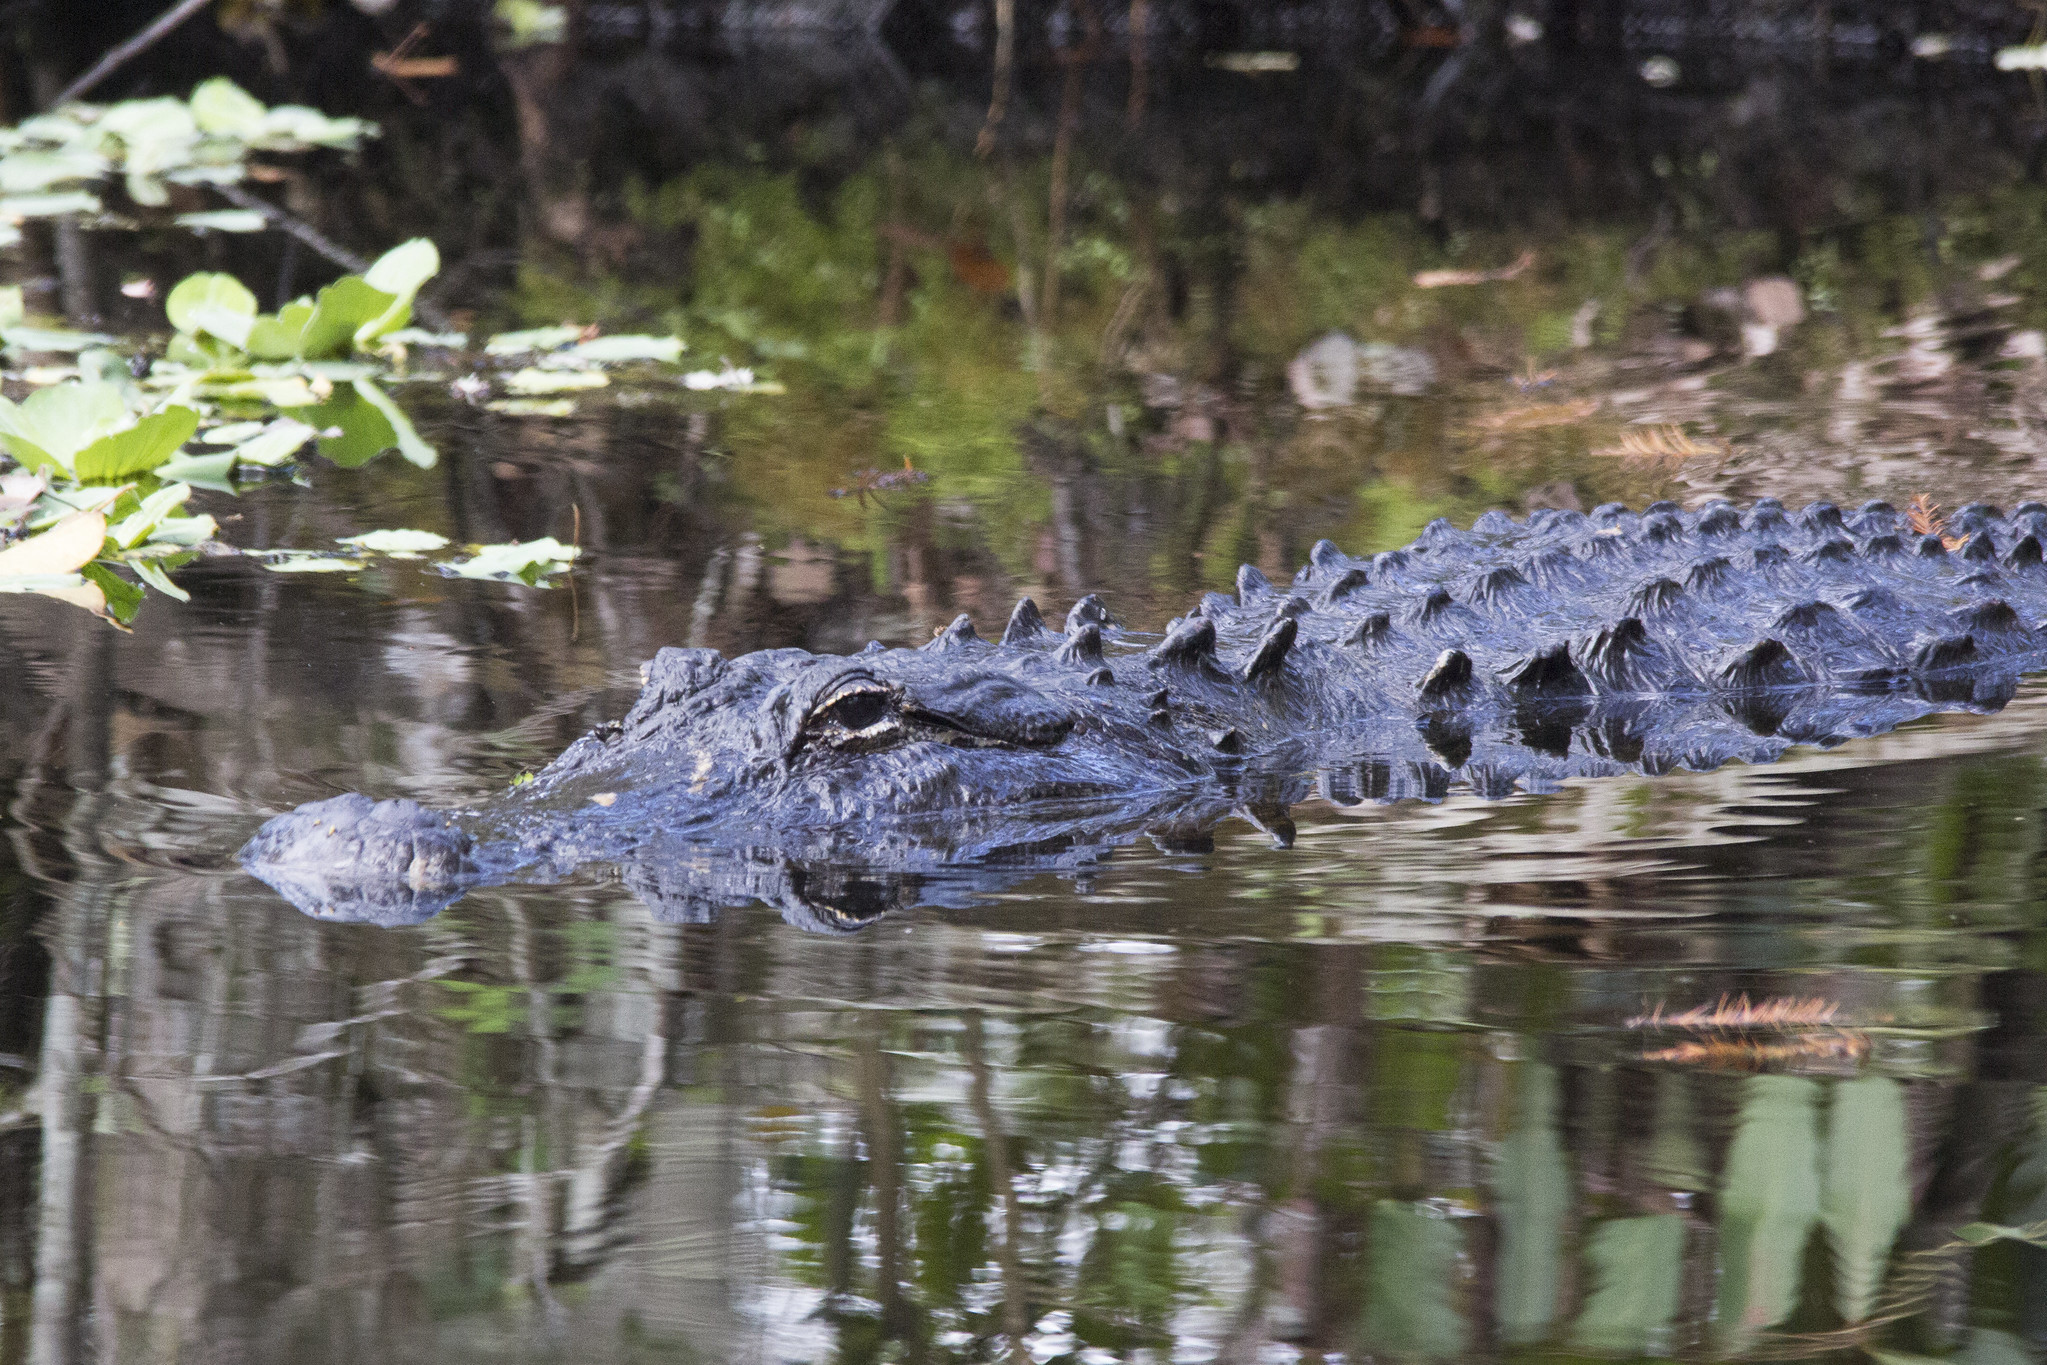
x=399 y=543
x=533 y=407
x=531 y=381
x=275 y=443
x=529 y=560
x=223 y=220
x=618 y=350
x=532 y=339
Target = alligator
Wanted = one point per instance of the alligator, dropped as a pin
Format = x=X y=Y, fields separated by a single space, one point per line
x=1507 y=658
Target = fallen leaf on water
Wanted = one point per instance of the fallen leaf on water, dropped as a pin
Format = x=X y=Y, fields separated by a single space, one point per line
x=399 y=544
x=1437 y=279
x=533 y=381
x=65 y=548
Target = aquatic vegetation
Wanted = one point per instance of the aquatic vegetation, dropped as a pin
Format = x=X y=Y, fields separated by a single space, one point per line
x=55 y=163
x=528 y=562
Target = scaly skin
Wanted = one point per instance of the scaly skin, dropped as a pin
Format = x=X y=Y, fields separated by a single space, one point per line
x=1508 y=657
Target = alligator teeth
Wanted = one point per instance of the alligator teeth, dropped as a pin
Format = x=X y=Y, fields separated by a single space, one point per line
x=1026 y=623
x=1272 y=649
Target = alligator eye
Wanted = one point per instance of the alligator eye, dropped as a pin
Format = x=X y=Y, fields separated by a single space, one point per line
x=861 y=717
x=858 y=710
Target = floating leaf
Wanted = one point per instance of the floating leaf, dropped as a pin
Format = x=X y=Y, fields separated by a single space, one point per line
x=533 y=339
x=204 y=471
x=26 y=172
x=15 y=207
x=137 y=450
x=399 y=542
x=530 y=381
x=275 y=443
x=119 y=598
x=64 y=548
x=134 y=528
x=622 y=349
x=65 y=587
x=207 y=290
x=342 y=308
x=533 y=407
x=221 y=107
x=416 y=336
x=528 y=560
x=399 y=272
x=155 y=577
x=53 y=339
x=52 y=425
x=223 y=220
x=279 y=336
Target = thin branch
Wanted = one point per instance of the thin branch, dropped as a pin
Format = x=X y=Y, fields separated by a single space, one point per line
x=119 y=57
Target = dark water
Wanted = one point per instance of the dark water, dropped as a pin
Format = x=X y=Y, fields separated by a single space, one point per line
x=1389 y=1094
